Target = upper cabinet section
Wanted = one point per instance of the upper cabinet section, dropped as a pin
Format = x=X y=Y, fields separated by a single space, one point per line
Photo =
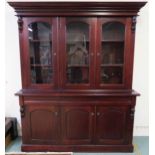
x=40 y=47
x=112 y=52
x=77 y=48
x=77 y=45
x=39 y=52
x=77 y=52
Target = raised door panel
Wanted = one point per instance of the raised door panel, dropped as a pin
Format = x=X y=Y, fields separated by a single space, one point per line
x=77 y=52
x=77 y=124
x=43 y=123
x=111 y=124
x=39 y=52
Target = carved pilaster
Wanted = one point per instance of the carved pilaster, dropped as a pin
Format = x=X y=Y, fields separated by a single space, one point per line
x=20 y=24
x=132 y=112
x=22 y=111
x=133 y=26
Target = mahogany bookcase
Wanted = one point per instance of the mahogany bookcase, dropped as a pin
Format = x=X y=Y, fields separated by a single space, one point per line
x=76 y=68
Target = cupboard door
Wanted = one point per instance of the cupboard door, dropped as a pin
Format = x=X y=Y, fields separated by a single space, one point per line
x=40 y=52
x=77 y=124
x=42 y=123
x=111 y=124
x=77 y=52
x=111 y=50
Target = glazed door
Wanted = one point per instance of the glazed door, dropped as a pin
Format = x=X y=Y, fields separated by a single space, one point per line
x=40 y=52
x=41 y=124
x=77 y=52
x=77 y=124
x=112 y=52
x=111 y=124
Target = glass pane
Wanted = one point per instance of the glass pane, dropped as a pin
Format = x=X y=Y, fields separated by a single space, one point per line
x=112 y=53
x=113 y=31
x=40 y=46
x=111 y=75
x=77 y=52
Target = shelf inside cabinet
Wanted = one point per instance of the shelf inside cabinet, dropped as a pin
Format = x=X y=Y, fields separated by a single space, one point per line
x=73 y=43
x=77 y=66
x=38 y=41
x=112 y=41
x=40 y=65
x=112 y=65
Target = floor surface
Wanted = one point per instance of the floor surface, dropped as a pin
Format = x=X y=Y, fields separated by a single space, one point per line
x=141 y=147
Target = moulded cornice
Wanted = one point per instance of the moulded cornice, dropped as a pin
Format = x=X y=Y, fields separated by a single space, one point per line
x=77 y=8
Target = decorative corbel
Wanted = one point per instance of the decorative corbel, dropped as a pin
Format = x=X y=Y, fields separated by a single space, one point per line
x=20 y=24
x=22 y=111
x=133 y=26
x=132 y=112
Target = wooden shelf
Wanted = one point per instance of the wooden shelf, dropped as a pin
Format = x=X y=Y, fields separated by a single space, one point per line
x=39 y=65
x=87 y=41
x=37 y=41
x=112 y=65
x=112 y=41
x=77 y=66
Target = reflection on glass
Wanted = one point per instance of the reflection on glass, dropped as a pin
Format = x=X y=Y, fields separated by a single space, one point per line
x=40 y=52
x=77 y=53
x=112 y=53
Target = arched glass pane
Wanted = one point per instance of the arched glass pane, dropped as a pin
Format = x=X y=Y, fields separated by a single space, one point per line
x=112 y=52
x=77 y=52
x=113 y=31
x=40 y=46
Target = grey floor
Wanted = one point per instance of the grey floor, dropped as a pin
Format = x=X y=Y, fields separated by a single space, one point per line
x=141 y=147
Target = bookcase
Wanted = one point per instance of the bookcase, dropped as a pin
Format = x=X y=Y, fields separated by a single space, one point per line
x=76 y=68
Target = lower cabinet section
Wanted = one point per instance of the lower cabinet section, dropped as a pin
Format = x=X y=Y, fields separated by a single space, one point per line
x=42 y=124
x=111 y=124
x=77 y=126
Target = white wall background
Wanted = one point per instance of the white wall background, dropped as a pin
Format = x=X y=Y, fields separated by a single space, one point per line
x=140 y=78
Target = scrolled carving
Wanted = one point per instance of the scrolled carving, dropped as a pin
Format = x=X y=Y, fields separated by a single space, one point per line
x=22 y=111
x=133 y=26
x=20 y=24
x=132 y=112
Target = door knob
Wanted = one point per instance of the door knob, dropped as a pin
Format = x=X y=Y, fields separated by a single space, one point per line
x=56 y=113
x=98 y=54
x=92 y=54
x=92 y=114
x=98 y=113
